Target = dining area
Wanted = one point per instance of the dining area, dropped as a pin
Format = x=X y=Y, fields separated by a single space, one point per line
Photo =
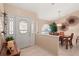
x=67 y=33
x=68 y=43
x=66 y=40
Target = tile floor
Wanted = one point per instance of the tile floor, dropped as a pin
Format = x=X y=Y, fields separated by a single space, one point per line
x=37 y=51
x=70 y=52
x=34 y=51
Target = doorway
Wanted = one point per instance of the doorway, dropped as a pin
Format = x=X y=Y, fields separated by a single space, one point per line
x=20 y=29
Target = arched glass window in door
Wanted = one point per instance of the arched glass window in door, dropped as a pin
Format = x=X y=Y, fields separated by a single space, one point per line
x=45 y=29
x=23 y=27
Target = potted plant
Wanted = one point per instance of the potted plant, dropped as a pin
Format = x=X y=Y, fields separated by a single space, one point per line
x=10 y=43
x=9 y=38
x=53 y=28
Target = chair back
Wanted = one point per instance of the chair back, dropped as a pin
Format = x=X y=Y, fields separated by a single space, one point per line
x=71 y=37
x=61 y=33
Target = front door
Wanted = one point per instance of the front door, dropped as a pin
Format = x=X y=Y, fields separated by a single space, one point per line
x=21 y=30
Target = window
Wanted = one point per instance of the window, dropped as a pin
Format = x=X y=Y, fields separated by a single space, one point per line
x=45 y=29
x=23 y=27
x=1 y=24
x=11 y=26
x=32 y=27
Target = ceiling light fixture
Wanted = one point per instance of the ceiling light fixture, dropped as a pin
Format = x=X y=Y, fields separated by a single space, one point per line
x=52 y=3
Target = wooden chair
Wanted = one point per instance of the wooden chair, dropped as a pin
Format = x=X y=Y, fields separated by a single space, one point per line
x=77 y=39
x=61 y=35
x=68 y=41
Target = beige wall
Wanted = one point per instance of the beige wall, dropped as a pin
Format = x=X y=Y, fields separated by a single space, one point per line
x=48 y=42
x=13 y=10
x=1 y=7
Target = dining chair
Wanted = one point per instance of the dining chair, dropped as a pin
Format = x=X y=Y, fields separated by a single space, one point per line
x=61 y=35
x=68 y=41
x=77 y=39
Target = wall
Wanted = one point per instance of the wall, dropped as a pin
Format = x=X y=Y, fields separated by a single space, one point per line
x=13 y=10
x=1 y=7
x=48 y=42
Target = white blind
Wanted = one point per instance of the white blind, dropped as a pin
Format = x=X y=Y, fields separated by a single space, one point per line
x=1 y=24
x=11 y=26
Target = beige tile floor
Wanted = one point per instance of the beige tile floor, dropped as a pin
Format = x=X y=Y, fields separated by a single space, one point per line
x=37 y=51
x=70 y=52
x=34 y=51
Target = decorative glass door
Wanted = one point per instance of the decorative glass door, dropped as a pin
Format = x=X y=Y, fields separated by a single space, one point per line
x=23 y=31
x=20 y=29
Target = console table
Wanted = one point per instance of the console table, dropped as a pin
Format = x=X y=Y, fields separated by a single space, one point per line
x=4 y=50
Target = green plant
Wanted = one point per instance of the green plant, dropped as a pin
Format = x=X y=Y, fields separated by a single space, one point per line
x=9 y=38
x=53 y=27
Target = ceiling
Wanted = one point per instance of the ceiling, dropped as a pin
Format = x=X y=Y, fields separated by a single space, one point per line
x=49 y=11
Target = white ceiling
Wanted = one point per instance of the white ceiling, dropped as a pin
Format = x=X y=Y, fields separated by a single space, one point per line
x=49 y=11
